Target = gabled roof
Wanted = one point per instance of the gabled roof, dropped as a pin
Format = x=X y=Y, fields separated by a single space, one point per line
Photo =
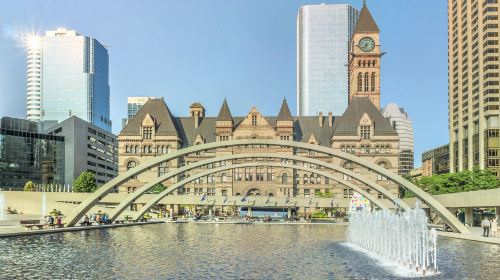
x=165 y=125
x=284 y=114
x=224 y=113
x=366 y=23
x=349 y=122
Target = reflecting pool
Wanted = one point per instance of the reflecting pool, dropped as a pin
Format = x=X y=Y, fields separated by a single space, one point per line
x=218 y=251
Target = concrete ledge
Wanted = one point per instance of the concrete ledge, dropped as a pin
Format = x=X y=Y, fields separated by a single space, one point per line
x=24 y=232
x=490 y=240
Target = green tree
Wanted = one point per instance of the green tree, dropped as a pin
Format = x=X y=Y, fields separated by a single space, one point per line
x=464 y=181
x=158 y=188
x=85 y=182
x=29 y=186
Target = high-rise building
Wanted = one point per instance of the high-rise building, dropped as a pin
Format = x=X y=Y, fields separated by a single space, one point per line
x=402 y=124
x=436 y=161
x=68 y=75
x=473 y=85
x=28 y=154
x=134 y=104
x=324 y=35
x=364 y=60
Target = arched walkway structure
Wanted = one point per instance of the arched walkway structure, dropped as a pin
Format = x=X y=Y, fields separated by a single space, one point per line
x=86 y=205
x=181 y=183
x=134 y=196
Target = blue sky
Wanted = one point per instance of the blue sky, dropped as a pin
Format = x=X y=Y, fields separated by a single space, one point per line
x=189 y=51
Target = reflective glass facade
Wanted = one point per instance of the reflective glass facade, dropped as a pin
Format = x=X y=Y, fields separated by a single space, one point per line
x=75 y=78
x=323 y=38
x=26 y=155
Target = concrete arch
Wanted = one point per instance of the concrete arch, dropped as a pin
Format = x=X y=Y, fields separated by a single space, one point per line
x=181 y=183
x=446 y=215
x=132 y=197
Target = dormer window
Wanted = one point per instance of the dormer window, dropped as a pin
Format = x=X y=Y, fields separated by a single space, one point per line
x=365 y=132
x=147 y=132
x=254 y=120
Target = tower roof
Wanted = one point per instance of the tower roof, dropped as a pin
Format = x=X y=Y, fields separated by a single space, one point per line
x=284 y=114
x=224 y=113
x=366 y=23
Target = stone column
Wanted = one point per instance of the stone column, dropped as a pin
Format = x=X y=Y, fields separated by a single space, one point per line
x=469 y=215
x=250 y=211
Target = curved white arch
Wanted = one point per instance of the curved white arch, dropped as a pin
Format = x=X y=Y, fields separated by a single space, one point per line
x=170 y=189
x=446 y=215
x=133 y=196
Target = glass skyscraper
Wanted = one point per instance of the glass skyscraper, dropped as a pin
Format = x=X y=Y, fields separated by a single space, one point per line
x=134 y=104
x=73 y=77
x=28 y=155
x=323 y=39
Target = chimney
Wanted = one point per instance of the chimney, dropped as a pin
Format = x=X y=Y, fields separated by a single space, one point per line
x=330 y=119
x=320 y=119
x=196 y=119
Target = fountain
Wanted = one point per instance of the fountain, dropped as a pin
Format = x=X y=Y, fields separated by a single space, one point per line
x=2 y=206
x=44 y=205
x=400 y=238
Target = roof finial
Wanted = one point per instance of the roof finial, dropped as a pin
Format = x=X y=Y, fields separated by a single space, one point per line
x=284 y=99
x=364 y=2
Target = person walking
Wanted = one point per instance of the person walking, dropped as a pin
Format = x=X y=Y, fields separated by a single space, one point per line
x=486 y=224
x=494 y=227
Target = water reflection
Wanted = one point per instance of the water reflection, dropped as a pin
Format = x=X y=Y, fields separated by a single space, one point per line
x=209 y=251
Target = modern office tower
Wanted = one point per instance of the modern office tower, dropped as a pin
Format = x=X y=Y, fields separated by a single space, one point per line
x=364 y=60
x=323 y=41
x=68 y=76
x=87 y=148
x=27 y=154
x=473 y=85
x=34 y=79
x=134 y=104
x=403 y=126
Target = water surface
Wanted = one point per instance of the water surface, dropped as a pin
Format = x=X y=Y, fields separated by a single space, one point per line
x=211 y=251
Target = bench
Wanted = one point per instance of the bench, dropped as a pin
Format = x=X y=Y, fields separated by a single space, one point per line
x=29 y=224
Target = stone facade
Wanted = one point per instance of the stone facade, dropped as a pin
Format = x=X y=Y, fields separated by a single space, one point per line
x=155 y=131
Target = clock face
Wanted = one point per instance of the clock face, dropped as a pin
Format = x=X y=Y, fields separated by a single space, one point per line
x=366 y=44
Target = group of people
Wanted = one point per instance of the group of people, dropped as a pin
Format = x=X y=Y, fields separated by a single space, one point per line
x=51 y=221
x=99 y=218
x=490 y=227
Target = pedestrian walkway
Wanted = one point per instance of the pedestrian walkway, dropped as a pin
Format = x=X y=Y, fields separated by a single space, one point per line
x=11 y=231
x=475 y=235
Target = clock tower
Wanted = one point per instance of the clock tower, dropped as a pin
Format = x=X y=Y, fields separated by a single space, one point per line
x=364 y=59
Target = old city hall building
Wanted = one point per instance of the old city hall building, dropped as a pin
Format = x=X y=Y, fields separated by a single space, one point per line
x=361 y=130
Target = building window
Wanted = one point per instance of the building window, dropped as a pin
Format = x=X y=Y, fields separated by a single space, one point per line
x=348 y=166
x=254 y=120
x=373 y=82
x=223 y=178
x=284 y=178
x=366 y=81
x=365 y=132
x=380 y=177
x=360 y=82
x=147 y=132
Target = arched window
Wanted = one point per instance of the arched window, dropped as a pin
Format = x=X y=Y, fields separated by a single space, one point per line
x=366 y=81
x=327 y=180
x=374 y=63
x=359 y=63
x=284 y=178
x=342 y=148
x=136 y=149
x=164 y=149
x=312 y=179
x=318 y=179
x=127 y=149
x=158 y=149
x=387 y=149
x=364 y=63
x=380 y=177
x=360 y=82
x=373 y=82
x=348 y=166
x=377 y=149
x=306 y=179
x=223 y=178
x=369 y=63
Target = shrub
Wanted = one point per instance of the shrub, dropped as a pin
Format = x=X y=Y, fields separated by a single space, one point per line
x=29 y=186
